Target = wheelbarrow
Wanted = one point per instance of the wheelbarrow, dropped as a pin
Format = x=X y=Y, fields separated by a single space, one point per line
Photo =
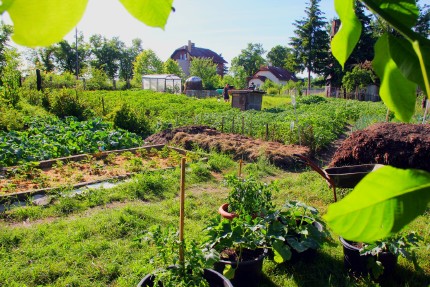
x=343 y=177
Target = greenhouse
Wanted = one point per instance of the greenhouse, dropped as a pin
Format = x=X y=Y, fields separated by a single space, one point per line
x=162 y=83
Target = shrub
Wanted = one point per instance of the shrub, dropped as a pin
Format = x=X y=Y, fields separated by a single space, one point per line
x=272 y=91
x=65 y=103
x=128 y=119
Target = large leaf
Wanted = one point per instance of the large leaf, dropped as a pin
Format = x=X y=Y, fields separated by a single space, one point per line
x=152 y=13
x=401 y=14
x=349 y=33
x=397 y=92
x=44 y=22
x=406 y=59
x=381 y=204
x=4 y=5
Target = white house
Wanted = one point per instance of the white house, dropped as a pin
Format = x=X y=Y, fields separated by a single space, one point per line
x=275 y=74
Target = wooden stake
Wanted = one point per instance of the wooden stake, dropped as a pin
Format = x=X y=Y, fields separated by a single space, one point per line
x=240 y=167
x=181 y=212
x=426 y=110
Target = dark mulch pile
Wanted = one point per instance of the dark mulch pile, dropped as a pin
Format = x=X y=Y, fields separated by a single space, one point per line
x=395 y=144
x=240 y=147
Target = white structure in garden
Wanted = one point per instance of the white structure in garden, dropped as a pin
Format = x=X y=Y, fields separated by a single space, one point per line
x=162 y=83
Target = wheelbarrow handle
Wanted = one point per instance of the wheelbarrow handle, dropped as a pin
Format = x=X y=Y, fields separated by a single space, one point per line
x=321 y=172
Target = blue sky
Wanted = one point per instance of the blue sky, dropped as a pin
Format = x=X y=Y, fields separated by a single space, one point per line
x=224 y=26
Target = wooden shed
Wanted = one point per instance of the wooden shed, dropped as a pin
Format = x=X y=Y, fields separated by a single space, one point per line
x=246 y=99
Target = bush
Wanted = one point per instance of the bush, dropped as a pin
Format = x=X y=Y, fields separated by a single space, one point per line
x=312 y=99
x=66 y=103
x=272 y=91
x=128 y=119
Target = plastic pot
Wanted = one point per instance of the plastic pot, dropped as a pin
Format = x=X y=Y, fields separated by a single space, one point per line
x=357 y=264
x=247 y=273
x=349 y=176
x=309 y=253
x=214 y=278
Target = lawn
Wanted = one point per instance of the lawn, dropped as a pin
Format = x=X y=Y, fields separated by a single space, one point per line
x=89 y=239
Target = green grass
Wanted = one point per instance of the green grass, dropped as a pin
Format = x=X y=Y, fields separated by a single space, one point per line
x=89 y=240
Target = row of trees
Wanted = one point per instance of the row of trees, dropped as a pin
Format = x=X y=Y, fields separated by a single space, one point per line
x=309 y=49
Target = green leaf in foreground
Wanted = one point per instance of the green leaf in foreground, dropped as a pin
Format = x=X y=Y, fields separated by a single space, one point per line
x=397 y=92
x=406 y=59
x=152 y=13
x=348 y=35
x=381 y=204
x=44 y=22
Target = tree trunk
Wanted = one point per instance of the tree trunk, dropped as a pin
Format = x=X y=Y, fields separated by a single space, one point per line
x=309 y=81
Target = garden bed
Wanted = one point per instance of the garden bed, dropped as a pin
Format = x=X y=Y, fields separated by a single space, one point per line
x=240 y=147
x=81 y=170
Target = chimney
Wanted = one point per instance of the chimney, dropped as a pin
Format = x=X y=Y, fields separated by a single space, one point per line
x=189 y=46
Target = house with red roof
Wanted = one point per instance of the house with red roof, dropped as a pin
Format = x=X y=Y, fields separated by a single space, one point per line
x=275 y=74
x=185 y=54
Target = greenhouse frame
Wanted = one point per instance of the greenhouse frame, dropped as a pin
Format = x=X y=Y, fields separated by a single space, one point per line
x=162 y=83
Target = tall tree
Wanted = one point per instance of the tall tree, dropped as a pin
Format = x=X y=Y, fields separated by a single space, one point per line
x=146 y=63
x=278 y=55
x=65 y=55
x=106 y=54
x=172 y=67
x=423 y=24
x=205 y=69
x=250 y=58
x=127 y=57
x=311 y=42
x=5 y=32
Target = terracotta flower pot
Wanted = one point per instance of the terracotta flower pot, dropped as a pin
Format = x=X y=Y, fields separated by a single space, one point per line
x=223 y=210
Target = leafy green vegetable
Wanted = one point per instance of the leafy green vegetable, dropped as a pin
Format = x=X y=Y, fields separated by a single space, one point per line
x=381 y=204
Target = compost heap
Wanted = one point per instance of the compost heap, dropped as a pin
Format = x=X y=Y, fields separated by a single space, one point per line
x=241 y=147
x=395 y=144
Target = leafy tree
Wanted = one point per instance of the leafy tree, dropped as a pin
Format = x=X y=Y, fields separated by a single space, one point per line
x=5 y=32
x=44 y=58
x=146 y=63
x=106 y=54
x=311 y=41
x=278 y=55
x=10 y=77
x=422 y=26
x=206 y=70
x=127 y=58
x=172 y=67
x=65 y=55
x=235 y=77
x=358 y=78
x=250 y=58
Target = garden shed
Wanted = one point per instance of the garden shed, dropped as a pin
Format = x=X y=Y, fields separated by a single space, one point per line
x=162 y=83
x=246 y=99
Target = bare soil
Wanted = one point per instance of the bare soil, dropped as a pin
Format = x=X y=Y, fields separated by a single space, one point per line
x=240 y=147
x=396 y=144
x=21 y=179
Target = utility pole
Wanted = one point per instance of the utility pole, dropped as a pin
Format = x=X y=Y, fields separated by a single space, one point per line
x=77 y=55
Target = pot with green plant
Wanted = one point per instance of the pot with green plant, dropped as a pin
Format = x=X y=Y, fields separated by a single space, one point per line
x=380 y=257
x=241 y=243
x=247 y=196
x=295 y=232
x=193 y=271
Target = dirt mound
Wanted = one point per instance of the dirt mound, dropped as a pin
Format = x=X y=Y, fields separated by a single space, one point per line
x=240 y=147
x=399 y=145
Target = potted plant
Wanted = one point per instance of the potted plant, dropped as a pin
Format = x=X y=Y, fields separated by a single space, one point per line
x=380 y=257
x=174 y=272
x=295 y=231
x=247 y=197
x=240 y=242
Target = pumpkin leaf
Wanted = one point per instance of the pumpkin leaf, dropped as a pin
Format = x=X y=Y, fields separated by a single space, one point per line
x=349 y=33
x=43 y=22
x=281 y=251
x=406 y=59
x=4 y=5
x=152 y=13
x=381 y=204
x=397 y=92
x=228 y=271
